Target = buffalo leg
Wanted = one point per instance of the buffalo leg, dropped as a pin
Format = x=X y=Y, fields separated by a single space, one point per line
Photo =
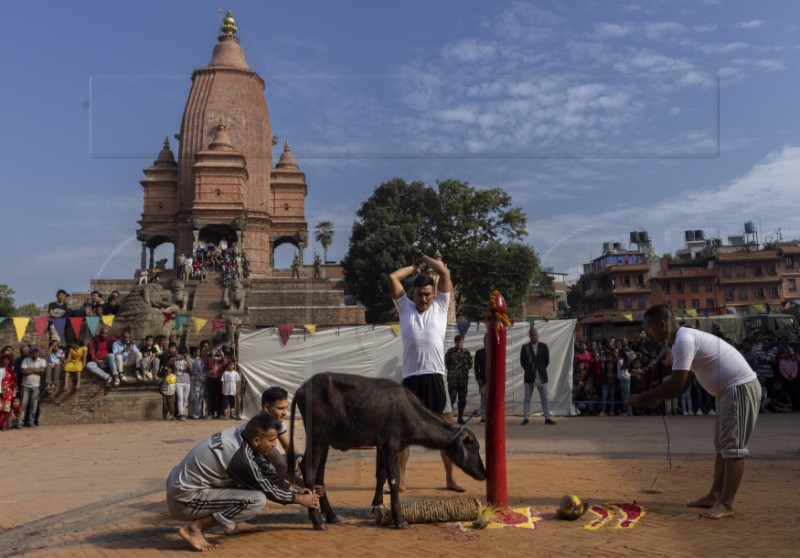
x=311 y=472
x=319 y=487
x=392 y=468
x=380 y=477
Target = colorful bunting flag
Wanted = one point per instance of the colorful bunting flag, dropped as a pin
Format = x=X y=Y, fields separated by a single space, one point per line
x=167 y=317
x=21 y=324
x=463 y=326
x=76 y=323
x=759 y=308
x=285 y=331
x=395 y=327
x=198 y=324
x=784 y=304
x=691 y=312
x=218 y=324
x=704 y=311
x=108 y=320
x=59 y=324
x=2 y=319
x=40 y=324
x=731 y=310
x=680 y=313
x=92 y=322
x=311 y=328
x=180 y=320
x=628 y=317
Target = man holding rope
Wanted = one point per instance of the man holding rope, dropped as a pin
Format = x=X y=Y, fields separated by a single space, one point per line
x=724 y=373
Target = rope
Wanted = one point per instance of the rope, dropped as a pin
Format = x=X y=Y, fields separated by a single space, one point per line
x=439 y=510
x=666 y=430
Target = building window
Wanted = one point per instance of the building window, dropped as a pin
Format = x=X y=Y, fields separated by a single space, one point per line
x=665 y=287
x=773 y=291
x=728 y=294
x=640 y=279
x=791 y=284
x=742 y=293
x=772 y=269
x=758 y=269
x=708 y=285
x=679 y=287
x=628 y=302
x=695 y=303
x=759 y=292
x=739 y=271
x=788 y=261
x=694 y=286
x=669 y=304
x=709 y=303
x=641 y=302
x=626 y=280
x=681 y=304
x=726 y=271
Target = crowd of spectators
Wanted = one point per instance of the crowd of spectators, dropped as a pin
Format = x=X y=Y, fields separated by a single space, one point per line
x=222 y=257
x=607 y=371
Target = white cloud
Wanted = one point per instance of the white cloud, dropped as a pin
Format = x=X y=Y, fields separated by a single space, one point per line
x=752 y=24
x=659 y=30
x=470 y=51
x=722 y=49
x=605 y=30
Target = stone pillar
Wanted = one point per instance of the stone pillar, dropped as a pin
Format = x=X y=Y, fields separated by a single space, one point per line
x=239 y=242
x=195 y=241
x=152 y=255
x=144 y=256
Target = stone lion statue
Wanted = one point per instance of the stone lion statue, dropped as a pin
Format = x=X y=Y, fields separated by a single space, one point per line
x=179 y=295
x=142 y=312
x=233 y=297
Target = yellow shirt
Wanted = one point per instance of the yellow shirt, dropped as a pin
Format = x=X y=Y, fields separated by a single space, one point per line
x=75 y=359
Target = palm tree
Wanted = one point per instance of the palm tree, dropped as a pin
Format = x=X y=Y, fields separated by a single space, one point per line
x=324 y=235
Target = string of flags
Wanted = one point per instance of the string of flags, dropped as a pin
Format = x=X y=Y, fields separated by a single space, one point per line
x=743 y=310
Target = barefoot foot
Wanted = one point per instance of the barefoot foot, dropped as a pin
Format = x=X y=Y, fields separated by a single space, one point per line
x=195 y=538
x=717 y=512
x=241 y=527
x=704 y=502
x=455 y=487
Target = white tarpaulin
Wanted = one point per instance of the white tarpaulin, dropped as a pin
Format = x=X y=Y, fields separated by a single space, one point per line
x=376 y=351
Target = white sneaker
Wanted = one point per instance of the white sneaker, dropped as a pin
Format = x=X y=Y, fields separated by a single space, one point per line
x=711 y=413
x=699 y=412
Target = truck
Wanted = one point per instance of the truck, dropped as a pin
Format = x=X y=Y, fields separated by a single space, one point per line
x=773 y=324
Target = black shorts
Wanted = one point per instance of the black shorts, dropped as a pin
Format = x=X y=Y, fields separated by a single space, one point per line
x=430 y=390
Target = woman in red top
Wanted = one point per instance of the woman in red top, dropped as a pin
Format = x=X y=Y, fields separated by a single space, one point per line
x=7 y=385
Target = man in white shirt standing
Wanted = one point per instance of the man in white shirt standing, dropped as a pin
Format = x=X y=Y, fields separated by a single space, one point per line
x=724 y=373
x=423 y=325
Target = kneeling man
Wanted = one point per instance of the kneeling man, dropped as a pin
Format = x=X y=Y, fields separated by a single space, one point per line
x=226 y=480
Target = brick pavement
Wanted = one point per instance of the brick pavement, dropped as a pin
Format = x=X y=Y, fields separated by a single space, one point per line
x=99 y=492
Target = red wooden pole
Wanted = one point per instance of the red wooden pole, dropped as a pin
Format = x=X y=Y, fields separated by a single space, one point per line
x=496 y=482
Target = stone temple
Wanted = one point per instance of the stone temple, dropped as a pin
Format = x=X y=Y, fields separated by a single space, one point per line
x=224 y=185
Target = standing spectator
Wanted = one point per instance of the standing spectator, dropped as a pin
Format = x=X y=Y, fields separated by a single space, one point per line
x=535 y=358
x=24 y=351
x=608 y=384
x=8 y=383
x=97 y=304
x=126 y=355
x=101 y=358
x=168 y=391
x=458 y=361
x=624 y=378
x=149 y=363
x=296 y=263
x=579 y=380
x=787 y=372
x=32 y=369
x=59 y=308
x=182 y=367
x=76 y=362
x=111 y=308
x=317 y=267
x=480 y=375
x=582 y=354
x=199 y=379
x=215 y=365
x=638 y=381
x=55 y=362
x=230 y=388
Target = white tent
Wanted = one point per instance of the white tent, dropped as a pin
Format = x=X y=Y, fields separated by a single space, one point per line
x=376 y=351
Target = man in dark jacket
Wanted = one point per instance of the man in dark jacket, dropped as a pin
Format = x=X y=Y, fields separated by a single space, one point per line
x=534 y=358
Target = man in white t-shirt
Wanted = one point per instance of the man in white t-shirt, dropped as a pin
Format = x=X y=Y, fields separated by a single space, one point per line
x=423 y=324
x=724 y=373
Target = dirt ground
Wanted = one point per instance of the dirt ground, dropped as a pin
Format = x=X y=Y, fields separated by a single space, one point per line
x=98 y=490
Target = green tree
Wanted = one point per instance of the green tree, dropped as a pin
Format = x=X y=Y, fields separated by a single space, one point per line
x=6 y=301
x=29 y=310
x=324 y=235
x=470 y=227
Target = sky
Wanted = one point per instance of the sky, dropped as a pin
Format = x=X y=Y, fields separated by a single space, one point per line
x=598 y=117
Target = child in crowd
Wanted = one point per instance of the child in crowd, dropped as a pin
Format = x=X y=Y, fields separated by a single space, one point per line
x=199 y=376
x=76 y=362
x=15 y=414
x=182 y=368
x=638 y=381
x=624 y=379
x=55 y=363
x=150 y=363
x=579 y=379
x=168 y=391
x=7 y=385
x=230 y=387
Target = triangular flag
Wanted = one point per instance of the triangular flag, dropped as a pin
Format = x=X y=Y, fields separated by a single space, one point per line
x=311 y=328
x=108 y=320
x=40 y=324
x=797 y=301
x=76 y=324
x=784 y=304
x=21 y=324
x=759 y=308
x=198 y=324
x=285 y=331
x=704 y=311
x=180 y=320
x=92 y=322
x=218 y=324
x=395 y=327
x=680 y=313
x=628 y=317
x=167 y=317
x=2 y=319
x=691 y=312
x=59 y=324
x=463 y=326
x=731 y=310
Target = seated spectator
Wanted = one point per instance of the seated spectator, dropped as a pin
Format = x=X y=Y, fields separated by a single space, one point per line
x=76 y=362
x=101 y=358
x=143 y=277
x=15 y=414
x=111 y=308
x=97 y=304
x=127 y=355
x=150 y=363
x=778 y=399
x=55 y=362
x=32 y=369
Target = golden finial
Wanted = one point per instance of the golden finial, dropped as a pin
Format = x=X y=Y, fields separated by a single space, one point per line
x=221 y=123
x=228 y=27
x=166 y=142
x=286 y=147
